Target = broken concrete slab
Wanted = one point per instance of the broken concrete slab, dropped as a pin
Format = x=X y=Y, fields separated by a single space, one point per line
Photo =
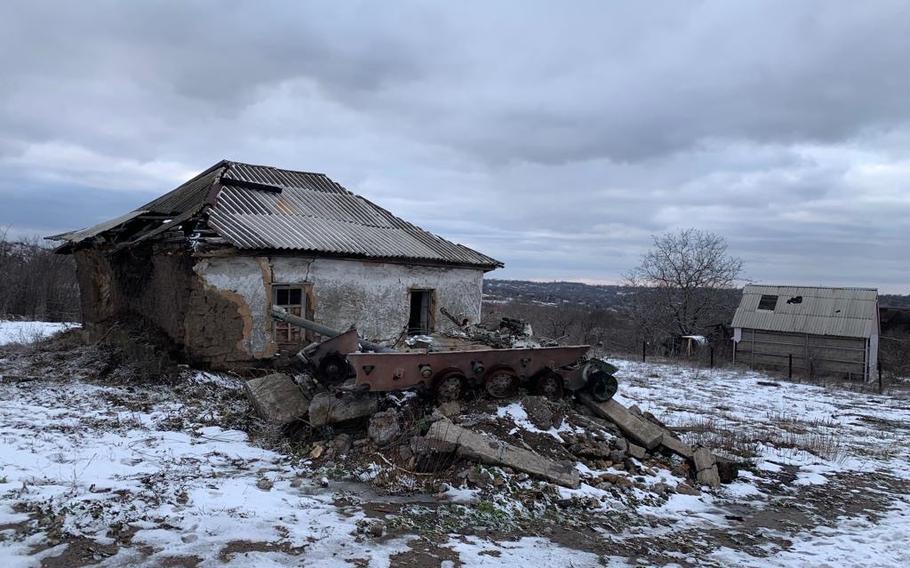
x=496 y=452
x=277 y=398
x=706 y=468
x=641 y=431
x=677 y=446
x=329 y=408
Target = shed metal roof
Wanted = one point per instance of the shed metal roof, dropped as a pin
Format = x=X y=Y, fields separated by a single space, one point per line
x=261 y=207
x=845 y=312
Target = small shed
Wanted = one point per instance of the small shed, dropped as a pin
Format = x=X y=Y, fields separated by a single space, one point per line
x=822 y=332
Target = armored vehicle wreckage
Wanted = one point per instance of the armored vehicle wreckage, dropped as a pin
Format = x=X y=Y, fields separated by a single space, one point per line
x=548 y=371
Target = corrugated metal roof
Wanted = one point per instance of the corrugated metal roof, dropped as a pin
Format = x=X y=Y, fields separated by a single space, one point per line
x=82 y=234
x=846 y=312
x=261 y=207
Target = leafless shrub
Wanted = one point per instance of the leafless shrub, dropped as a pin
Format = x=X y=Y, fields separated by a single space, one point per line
x=734 y=441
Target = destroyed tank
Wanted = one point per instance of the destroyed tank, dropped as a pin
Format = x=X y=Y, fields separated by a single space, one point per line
x=548 y=371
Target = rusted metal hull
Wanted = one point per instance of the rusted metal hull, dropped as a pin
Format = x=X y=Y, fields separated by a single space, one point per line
x=398 y=371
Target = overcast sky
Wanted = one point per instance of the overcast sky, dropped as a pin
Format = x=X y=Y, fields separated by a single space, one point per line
x=556 y=137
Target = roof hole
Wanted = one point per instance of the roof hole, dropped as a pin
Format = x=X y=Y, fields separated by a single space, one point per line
x=767 y=302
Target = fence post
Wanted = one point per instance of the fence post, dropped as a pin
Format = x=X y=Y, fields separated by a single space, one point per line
x=712 y=356
x=881 y=387
x=790 y=366
x=644 y=345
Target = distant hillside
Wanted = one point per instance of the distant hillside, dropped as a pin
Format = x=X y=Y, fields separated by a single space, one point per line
x=894 y=301
x=606 y=296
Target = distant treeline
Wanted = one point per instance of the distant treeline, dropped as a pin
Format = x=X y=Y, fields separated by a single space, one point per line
x=35 y=283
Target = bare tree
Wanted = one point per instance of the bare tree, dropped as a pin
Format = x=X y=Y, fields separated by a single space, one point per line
x=35 y=283
x=679 y=281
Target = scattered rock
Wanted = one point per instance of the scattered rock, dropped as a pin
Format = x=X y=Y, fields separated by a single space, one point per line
x=404 y=452
x=727 y=470
x=686 y=489
x=617 y=456
x=621 y=443
x=595 y=450
x=480 y=477
x=384 y=427
x=316 y=452
x=449 y=408
x=637 y=451
x=264 y=484
x=342 y=443
x=540 y=411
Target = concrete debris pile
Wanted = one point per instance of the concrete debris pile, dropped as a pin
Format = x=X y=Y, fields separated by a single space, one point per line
x=406 y=442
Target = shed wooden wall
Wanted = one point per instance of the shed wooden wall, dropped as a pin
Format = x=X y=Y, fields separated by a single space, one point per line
x=813 y=355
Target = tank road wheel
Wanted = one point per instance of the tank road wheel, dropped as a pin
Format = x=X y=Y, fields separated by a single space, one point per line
x=549 y=384
x=600 y=381
x=334 y=369
x=603 y=387
x=501 y=382
x=449 y=385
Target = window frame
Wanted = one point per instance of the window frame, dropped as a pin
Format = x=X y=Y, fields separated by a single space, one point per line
x=283 y=333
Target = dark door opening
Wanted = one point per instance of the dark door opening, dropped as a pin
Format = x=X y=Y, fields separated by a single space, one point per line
x=420 y=320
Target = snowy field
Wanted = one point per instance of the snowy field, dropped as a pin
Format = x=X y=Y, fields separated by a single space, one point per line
x=29 y=331
x=112 y=475
x=826 y=442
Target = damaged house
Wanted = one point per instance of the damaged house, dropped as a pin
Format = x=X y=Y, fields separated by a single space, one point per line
x=821 y=332
x=205 y=262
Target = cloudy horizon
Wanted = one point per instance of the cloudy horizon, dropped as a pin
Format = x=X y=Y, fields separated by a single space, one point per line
x=556 y=138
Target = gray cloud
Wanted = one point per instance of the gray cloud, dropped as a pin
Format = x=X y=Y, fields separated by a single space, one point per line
x=555 y=138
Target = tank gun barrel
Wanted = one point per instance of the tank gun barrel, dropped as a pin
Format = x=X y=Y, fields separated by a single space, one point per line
x=281 y=314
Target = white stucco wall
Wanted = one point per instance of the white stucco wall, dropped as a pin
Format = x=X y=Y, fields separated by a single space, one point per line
x=373 y=296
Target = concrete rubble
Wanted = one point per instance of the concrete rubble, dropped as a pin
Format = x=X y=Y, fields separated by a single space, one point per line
x=482 y=448
x=277 y=398
x=706 y=468
x=646 y=434
x=330 y=408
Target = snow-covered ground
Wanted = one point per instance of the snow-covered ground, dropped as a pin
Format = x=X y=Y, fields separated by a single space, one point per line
x=130 y=475
x=831 y=441
x=30 y=331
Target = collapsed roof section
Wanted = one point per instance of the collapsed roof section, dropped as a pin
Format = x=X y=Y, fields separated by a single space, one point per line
x=263 y=208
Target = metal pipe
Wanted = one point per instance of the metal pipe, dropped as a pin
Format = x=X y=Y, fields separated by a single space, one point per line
x=281 y=314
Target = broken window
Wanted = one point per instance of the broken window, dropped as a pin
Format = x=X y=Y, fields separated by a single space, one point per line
x=293 y=299
x=420 y=320
x=767 y=302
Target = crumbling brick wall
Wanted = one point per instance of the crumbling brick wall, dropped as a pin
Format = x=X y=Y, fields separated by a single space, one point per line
x=160 y=288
